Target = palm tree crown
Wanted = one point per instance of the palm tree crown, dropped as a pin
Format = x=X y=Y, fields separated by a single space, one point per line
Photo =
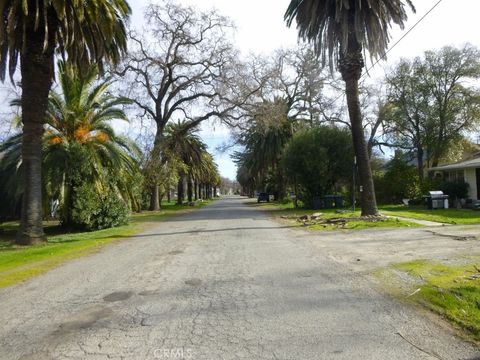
x=82 y=115
x=335 y=25
x=184 y=142
x=86 y=30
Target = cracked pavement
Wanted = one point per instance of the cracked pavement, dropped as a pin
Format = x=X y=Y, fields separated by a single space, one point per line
x=223 y=282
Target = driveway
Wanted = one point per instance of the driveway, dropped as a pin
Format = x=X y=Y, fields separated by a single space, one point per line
x=224 y=282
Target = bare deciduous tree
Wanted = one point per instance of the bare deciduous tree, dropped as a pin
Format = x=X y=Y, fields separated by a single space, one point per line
x=180 y=67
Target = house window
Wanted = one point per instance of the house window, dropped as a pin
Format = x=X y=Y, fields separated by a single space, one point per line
x=457 y=175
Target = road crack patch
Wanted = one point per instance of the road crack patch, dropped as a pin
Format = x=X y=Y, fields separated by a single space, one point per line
x=193 y=282
x=118 y=296
x=455 y=237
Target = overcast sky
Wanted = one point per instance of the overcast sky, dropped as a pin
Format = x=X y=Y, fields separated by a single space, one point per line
x=261 y=29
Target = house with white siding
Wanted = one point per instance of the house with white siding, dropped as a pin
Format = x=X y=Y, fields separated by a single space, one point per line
x=467 y=170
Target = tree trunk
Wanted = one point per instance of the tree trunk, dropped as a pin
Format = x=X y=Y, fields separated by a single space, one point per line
x=155 y=203
x=295 y=189
x=67 y=203
x=37 y=71
x=189 y=189
x=420 y=162
x=281 y=186
x=195 y=187
x=169 y=193
x=350 y=66
x=155 y=199
x=180 y=191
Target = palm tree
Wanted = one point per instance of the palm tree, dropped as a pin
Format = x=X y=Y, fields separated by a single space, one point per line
x=78 y=121
x=340 y=31
x=32 y=31
x=183 y=141
x=205 y=175
x=264 y=142
x=81 y=115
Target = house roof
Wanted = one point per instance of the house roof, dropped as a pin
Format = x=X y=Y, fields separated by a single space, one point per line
x=472 y=163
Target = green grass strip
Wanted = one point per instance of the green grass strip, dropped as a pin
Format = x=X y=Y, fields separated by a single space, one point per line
x=452 y=291
x=446 y=216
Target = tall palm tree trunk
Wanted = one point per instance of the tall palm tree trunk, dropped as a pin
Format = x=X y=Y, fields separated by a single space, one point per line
x=369 y=203
x=350 y=66
x=37 y=71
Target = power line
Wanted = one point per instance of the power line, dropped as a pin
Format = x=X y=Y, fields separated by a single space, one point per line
x=403 y=36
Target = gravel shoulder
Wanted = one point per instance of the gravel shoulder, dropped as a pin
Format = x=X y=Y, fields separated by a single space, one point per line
x=226 y=282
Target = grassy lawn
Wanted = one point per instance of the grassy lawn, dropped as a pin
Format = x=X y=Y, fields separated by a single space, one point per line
x=452 y=291
x=287 y=209
x=19 y=263
x=447 y=216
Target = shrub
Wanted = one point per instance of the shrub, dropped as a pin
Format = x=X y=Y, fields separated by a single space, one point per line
x=400 y=181
x=455 y=189
x=318 y=161
x=94 y=211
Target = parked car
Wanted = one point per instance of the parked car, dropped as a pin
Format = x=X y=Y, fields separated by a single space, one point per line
x=263 y=196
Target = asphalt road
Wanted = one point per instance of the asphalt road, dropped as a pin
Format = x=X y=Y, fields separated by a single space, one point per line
x=224 y=282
